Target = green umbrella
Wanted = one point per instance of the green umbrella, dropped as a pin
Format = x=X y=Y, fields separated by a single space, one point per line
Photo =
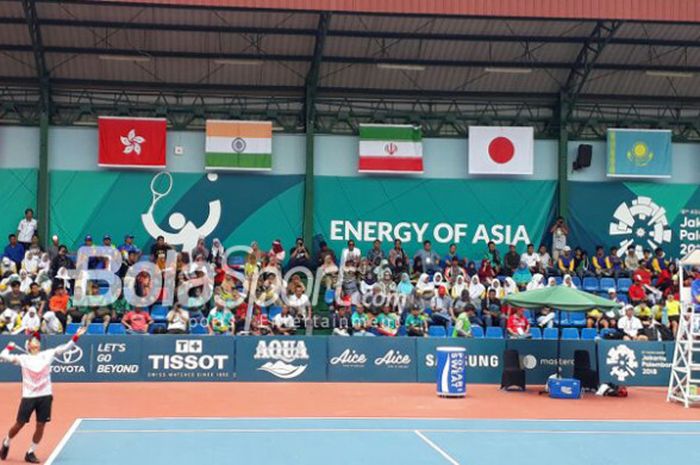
x=560 y=297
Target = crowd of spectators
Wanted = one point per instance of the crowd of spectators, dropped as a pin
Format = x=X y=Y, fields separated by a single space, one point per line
x=376 y=293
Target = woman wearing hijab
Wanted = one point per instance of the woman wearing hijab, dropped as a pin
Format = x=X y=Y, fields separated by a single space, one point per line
x=216 y=255
x=471 y=269
x=496 y=286
x=405 y=287
x=551 y=282
x=200 y=250
x=425 y=289
x=458 y=287
x=510 y=287
x=568 y=282
x=387 y=282
x=486 y=273
x=537 y=282
x=439 y=280
x=522 y=275
x=476 y=291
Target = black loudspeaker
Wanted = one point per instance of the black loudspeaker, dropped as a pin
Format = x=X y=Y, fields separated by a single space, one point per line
x=583 y=159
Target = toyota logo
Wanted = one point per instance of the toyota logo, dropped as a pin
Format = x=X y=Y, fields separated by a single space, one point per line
x=74 y=355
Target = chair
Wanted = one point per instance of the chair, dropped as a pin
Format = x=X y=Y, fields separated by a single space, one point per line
x=589 y=334
x=72 y=328
x=583 y=371
x=624 y=298
x=562 y=318
x=529 y=316
x=607 y=283
x=577 y=319
x=437 y=331
x=591 y=284
x=550 y=333
x=158 y=328
x=477 y=332
x=513 y=375
x=199 y=329
x=95 y=328
x=623 y=285
x=536 y=332
x=577 y=281
x=607 y=331
x=494 y=332
x=159 y=313
x=559 y=280
x=116 y=329
x=569 y=333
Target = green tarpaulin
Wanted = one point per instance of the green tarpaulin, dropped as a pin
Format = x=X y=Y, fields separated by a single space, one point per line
x=560 y=298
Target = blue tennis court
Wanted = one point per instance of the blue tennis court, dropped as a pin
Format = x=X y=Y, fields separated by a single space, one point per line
x=293 y=441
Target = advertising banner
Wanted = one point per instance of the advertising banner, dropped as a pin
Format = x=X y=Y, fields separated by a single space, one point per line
x=635 y=213
x=469 y=213
x=635 y=363
x=115 y=358
x=360 y=359
x=539 y=358
x=188 y=358
x=182 y=207
x=281 y=358
x=484 y=359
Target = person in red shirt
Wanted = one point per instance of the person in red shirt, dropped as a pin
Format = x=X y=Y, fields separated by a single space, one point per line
x=642 y=274
x=637 y=293
x=260 y=324
x=518 y=327
x=137 y=321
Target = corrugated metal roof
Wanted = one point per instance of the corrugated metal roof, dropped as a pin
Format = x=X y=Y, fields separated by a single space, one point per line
x=639 y=83
x=11 y=9
x=14 y=34
x=17 y=64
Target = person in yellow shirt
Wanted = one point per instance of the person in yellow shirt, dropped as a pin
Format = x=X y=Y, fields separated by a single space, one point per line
x=643 y=311
x=673 y=310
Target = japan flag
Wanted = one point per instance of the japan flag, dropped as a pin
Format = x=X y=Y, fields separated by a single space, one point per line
x=501 y=150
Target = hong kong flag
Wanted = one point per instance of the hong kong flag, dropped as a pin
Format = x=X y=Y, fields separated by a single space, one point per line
x=132 y=142
x=500 y=150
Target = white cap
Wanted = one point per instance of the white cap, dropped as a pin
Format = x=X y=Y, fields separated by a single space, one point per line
x=611 y=290
x=567 y=248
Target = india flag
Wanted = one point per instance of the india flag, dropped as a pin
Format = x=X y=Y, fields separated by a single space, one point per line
x=390 y=149
x=238 y=145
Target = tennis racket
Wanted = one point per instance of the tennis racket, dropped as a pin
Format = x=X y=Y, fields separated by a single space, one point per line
x=161 y=185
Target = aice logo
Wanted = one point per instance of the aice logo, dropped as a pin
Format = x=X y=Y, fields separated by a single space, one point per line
x=67 y=361
x=188 y=356
x=394 y=359
x=623 y=362
x=285 y=353
x=643 y=220
x=349 y=357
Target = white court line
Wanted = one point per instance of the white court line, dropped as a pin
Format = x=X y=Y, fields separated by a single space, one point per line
x=384 y=430
x=518 y=420
x=63 y=442
x=435 y=447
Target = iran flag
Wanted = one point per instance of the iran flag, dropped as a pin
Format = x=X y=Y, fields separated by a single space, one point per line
x=131 y=142
x=500 y=150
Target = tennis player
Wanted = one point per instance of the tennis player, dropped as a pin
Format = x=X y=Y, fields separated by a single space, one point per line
x=36 y=388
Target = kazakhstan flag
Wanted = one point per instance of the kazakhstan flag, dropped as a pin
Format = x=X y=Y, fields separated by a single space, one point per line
x=634 y=153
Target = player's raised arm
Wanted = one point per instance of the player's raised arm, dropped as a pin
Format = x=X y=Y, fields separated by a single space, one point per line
x=7 y=356
x=67 y=346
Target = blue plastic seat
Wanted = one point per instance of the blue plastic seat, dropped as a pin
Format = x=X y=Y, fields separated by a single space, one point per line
x=199 y=328
x=607 y=283
x=477 y=332
x=591 y=284
x=157 y=326
x=95 y=328
x=402 y=331
x=536 y=332
x=529 y=316
x=558 y=280
x=159 y=313
x=550 y=333
x=624 y=298
x=624 y=284
x=116 y=329
x=494 y=332
x=437 y=331
x=577 y=319
x=577 y=282
x=569 y=333
x=589 y=334
x=605 y=331
x=72 y=328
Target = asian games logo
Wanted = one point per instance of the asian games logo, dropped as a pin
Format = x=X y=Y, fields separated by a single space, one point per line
x=622 y=361
x=642 y=220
